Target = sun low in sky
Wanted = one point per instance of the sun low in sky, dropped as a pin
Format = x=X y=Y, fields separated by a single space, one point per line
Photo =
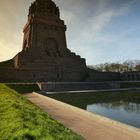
x=98 y=30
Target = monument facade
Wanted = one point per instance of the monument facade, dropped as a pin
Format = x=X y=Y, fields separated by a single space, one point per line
x=44 y=56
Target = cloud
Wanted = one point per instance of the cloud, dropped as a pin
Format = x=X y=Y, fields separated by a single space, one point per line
x=85 y=33
x=12 y=21
x=86 y=30
x=5 y=51
x=8 y=49
x=90 y=31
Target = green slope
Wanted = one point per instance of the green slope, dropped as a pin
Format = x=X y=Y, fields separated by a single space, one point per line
x=22 y=120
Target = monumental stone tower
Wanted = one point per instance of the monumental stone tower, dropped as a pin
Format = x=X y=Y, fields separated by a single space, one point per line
x=45 y=56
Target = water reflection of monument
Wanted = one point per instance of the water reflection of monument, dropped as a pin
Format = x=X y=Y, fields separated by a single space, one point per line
x=123 y=107
x=129 y=101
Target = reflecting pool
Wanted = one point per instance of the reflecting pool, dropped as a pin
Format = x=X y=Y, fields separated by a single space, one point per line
x=120 y=106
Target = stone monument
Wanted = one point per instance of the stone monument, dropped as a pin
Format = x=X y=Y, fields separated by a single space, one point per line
x=44 y=56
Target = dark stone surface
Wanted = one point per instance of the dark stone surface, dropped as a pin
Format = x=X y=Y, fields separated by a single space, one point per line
x=45 y=56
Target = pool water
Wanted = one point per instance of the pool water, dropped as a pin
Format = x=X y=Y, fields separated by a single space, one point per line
x=120 y=106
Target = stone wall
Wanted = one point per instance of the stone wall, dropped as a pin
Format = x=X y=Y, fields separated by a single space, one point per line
x=97 y=76
x=77 y=86
x=131 y=76
x=36 y=75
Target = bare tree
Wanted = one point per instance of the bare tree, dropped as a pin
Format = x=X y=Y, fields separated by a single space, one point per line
x=128 y=65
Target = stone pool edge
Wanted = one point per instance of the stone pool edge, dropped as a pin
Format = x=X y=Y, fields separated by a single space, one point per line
x=89 y=91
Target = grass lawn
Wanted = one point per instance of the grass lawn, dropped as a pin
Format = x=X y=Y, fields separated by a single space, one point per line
x=22 y=120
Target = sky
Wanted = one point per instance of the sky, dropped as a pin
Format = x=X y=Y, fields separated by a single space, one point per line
x=98 y=30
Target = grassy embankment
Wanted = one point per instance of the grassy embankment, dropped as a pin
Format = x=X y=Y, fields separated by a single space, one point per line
x=22 y=120
x=24 y=88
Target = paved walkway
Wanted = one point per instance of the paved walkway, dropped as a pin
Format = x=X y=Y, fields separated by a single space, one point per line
x=88 y=125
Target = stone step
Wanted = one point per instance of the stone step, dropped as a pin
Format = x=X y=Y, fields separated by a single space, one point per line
x=39 y=65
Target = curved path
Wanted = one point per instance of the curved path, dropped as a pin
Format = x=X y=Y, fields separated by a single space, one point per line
x=88 y=125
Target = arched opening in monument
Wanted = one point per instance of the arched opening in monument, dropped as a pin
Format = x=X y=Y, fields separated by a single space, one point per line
x=58 y=73
x=51 y=47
